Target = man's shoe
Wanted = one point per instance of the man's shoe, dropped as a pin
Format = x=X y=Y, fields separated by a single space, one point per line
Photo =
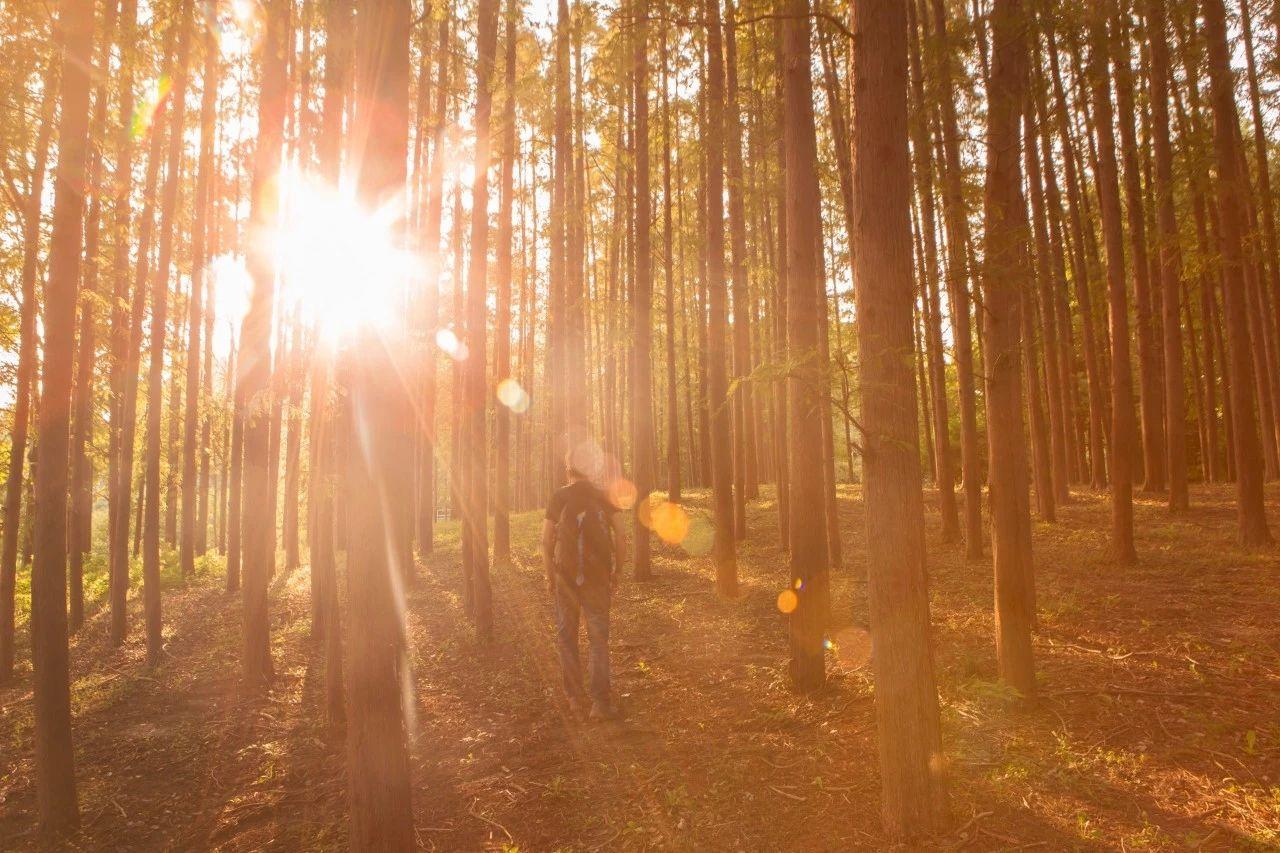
x=602 y=711
x=577 y=706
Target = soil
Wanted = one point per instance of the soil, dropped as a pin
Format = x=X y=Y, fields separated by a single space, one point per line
x=1157 y=724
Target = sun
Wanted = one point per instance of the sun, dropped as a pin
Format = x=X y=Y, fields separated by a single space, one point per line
x=345 y=267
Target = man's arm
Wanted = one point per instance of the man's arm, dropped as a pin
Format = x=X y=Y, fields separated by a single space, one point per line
x=619 y=545
x=549 y=552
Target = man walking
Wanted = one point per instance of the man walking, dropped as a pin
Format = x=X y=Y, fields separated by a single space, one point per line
x=583 y=550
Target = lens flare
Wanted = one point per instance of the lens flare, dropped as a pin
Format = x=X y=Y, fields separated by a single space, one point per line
x=622 y=493
x=700 y=538
x=144 y=113
x=646 y=508
x=514 y=397
x=788 y=601
x=670 y=522
x=852 y=646
x=447 y=340
x=343 y=264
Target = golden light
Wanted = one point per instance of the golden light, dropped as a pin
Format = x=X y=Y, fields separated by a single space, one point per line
x=231 y=285
x=644 y=512
x=144 y=113
x=788 y=601
x=339 y=262
x=670 y=522
x=514 y=397
x=701 y=537
x=448 y=342
x=622 y=493
x=852 y=646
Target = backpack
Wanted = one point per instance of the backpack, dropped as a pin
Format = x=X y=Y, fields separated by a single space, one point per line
x=584 y=542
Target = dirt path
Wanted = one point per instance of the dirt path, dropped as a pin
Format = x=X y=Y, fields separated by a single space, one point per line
x=1157 y=727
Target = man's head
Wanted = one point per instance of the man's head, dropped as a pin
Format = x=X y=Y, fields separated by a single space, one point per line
x=583 y=461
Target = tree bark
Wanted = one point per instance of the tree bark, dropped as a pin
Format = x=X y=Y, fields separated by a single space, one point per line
x=718 y=403
x=914 y=797
x=1122 y=415
x=54 y=757
x=1170 y=259
x=1006 y=269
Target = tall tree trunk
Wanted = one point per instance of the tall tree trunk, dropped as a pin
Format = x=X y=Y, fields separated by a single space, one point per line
x=199 y=259
x=643 y=447
x=923 y=162
x=913 y=801
x=1250 y=506
x=719 y=405
x=1047 y=282
x=476 y=509
x=1170 y=260
x=25 y=375
x=810 y=573
x=377 y=754
x=1152 y=390
x=1006 y=269
x=959 y=277
x=159 y=329
x=744 y=473
x=54 y=757
x=502 y=331
x=1122 y=416
x=257 y=516
x=673 y=413
x=80 y=519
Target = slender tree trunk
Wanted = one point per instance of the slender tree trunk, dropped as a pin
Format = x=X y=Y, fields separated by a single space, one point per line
x=24 y=378
x=744 y=474
x=1006 y=269
x=907 y=720
x=643 y=446
x=377 y=754
x=1122 y=415
x=257 y=516
x=1170 y=259
x=810 y=573
x=718 y=403
x=1152 y=391
x=959 y=277
x=476 y=446
x=1252 y=511
x=54 y=757
x=673 y=413
x=80 y=518
x=502 y=332
x=199 y=259
x=923 y=162
x=159 y=329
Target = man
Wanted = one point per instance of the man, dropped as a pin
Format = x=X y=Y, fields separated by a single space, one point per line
x=583 y=551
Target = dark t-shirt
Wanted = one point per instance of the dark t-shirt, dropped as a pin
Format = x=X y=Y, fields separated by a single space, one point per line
x=578 y=488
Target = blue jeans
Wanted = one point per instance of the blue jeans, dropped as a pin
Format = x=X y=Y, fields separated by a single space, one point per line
x=571 y=603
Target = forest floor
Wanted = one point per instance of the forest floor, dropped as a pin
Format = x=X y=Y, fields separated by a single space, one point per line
x=1158 y=725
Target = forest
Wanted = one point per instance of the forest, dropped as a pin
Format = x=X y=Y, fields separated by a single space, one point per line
x=919 y=361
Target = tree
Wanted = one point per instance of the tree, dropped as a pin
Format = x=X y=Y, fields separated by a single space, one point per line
x=1248 y=471
x=377 y=756
x=1170 y=264
x=720 y=407
x=257 y=518
x=1122 y=420
x=907 y=719
x=475 y=393
x=25 y=372
x=1005 y=273
x=642 y=443
x=54 y=761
